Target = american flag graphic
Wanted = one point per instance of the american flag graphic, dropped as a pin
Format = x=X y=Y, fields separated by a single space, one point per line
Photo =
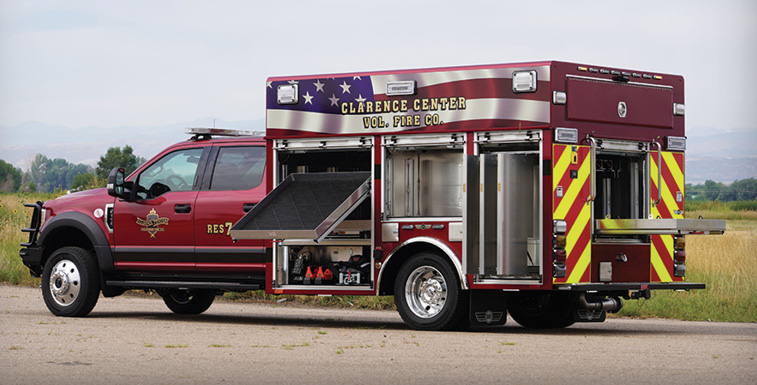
x=487 y=91
x=323 y=95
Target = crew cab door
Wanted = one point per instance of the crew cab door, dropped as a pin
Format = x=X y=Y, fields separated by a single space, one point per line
x=232 y=185
x=155 y=230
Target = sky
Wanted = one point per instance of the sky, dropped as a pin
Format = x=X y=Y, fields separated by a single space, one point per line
x=105 y=72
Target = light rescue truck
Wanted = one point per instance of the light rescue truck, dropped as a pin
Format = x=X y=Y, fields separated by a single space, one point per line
x=548 y=190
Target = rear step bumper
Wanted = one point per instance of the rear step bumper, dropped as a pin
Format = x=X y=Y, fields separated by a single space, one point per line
x=631 y=286
x=183 y=285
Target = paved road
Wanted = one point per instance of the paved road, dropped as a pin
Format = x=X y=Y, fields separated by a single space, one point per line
x=132 y=340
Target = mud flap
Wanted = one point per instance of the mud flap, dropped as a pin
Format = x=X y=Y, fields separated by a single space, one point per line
x=487 y=308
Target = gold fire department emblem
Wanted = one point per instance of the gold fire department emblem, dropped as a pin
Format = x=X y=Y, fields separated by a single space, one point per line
x=152 y=223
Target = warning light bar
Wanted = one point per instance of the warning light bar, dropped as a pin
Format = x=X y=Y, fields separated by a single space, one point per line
x=220 y=132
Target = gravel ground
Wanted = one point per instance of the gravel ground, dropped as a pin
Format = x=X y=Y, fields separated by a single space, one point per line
x=134 y=340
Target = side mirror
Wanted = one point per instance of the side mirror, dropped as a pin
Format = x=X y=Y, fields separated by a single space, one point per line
x=116 y=183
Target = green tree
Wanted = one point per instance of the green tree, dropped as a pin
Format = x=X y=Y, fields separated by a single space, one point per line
x=10 y=177
x=28 y=187
x=712 y=190
x=48 y=174
x=87 y=181
x=116 y=157
x=744 y=190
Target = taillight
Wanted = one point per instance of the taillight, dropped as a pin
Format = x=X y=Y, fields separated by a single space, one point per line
x=559 y=254
x=679 y=256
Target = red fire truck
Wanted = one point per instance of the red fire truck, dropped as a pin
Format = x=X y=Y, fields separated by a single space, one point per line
x=548 y=190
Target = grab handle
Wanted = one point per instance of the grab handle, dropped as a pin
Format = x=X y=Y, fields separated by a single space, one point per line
x=659 y=172
x=593 y=175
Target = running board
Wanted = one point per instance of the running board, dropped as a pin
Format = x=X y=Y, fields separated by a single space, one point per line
x=183 y=285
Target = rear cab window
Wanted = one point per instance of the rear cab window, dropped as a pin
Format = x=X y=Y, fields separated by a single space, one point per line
x=238 y=168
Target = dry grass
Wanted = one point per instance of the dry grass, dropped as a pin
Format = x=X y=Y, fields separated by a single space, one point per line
x=727 y=264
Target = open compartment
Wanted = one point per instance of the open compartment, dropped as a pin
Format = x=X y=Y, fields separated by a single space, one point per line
x=504 y=211
x=318 y=215
x=338 y=263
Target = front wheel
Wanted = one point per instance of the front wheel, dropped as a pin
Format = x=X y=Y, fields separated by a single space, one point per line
x=191 y=301
x=71 y=282
x=428 y=295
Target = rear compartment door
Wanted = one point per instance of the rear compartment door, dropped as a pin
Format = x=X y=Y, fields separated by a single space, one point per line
x=608 y=101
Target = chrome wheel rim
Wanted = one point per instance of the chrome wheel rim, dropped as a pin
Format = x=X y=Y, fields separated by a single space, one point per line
x=426 y=292
x=65 y=282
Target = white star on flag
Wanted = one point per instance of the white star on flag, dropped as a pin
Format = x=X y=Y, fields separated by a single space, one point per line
x=269 y=84
x=308 y=98
x=360 y=98
x=318 y=86
x=334 y=100
x=345 y=87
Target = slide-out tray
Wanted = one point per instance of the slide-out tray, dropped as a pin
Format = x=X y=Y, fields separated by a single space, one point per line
x=660 y=226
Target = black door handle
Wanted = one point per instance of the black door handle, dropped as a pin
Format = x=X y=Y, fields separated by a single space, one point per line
x=248 y=206
x=182 y=209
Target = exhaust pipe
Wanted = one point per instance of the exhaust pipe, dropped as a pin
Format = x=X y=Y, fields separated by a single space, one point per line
x=609 y=304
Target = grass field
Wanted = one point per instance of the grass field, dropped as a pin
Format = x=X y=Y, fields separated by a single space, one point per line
x=13 y=217
x=726 y=263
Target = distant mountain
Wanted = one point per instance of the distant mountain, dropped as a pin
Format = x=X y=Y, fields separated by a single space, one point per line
x=19 y=143
x=722 y=157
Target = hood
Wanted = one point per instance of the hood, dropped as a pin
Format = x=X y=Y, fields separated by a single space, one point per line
x=86 y=193
x=80 y=201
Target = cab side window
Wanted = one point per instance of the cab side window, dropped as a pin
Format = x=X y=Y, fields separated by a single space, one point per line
x=238 y=168
x=174 y=172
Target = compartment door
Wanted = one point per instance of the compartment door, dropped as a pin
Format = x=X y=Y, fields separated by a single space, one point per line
x=305 y=206
x=669 y=207
x=471 y=215
x=571 y=170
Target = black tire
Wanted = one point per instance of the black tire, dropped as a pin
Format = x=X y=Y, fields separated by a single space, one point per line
x=71 y=282
x=428 y=295
x=541 y=310
x=192 y=301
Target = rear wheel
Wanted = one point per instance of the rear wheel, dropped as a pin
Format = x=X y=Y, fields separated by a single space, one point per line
x=71 y=282
x=190 y=301
x=428 y=295
x=541 y=310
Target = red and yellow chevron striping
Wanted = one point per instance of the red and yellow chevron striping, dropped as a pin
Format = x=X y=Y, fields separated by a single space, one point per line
x=670 y=206
x=571 y=167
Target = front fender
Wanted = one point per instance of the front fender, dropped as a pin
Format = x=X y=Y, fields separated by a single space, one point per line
x=87 y=226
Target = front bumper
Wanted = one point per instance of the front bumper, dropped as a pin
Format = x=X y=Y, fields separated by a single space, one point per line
x=31 y=253
x=32 y=258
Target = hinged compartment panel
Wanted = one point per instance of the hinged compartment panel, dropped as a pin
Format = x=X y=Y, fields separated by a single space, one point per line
x=304 y=206
x=600 y=101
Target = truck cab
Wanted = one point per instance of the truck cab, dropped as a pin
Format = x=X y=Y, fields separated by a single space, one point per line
x=164 y=227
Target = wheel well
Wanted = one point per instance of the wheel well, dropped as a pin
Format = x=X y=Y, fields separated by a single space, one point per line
x=65 y=236
x=393 y=264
